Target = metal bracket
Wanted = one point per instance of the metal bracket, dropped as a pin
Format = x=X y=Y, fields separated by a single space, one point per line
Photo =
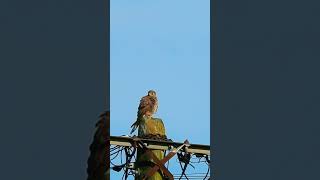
x=160 y=163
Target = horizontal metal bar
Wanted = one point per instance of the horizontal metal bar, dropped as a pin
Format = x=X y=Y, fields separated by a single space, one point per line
x=159 y=145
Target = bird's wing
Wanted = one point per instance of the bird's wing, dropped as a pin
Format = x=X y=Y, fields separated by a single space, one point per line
x=97 y=162
x=156 y=105
x=147 y=103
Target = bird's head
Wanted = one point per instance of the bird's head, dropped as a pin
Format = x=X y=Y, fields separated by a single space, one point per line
x=152 y=93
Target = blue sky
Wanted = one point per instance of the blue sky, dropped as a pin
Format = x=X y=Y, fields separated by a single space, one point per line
x=162 y=45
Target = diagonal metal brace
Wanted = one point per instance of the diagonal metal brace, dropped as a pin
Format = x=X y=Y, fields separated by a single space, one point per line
x=160 y=163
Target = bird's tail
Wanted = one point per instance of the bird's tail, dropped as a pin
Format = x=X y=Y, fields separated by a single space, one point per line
x=135 y=125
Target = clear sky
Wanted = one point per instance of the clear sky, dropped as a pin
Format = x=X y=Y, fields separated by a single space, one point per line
x=162 y=45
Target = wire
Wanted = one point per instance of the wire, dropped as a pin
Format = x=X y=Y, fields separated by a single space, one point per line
x=128 y=155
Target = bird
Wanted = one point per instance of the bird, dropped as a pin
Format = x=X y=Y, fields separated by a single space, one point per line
x=98 y=163
x=147 y=107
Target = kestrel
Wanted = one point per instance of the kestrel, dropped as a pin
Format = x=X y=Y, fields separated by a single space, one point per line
x=148 y=106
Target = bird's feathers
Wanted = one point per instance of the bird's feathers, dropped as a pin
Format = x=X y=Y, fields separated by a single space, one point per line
x=148 y=106
x=98 y=162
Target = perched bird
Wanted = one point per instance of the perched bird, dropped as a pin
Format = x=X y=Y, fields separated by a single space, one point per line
x=147 y=107
x=148 y=128
x=99 y=158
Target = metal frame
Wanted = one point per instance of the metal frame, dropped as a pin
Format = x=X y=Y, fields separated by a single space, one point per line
x=159 y=145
